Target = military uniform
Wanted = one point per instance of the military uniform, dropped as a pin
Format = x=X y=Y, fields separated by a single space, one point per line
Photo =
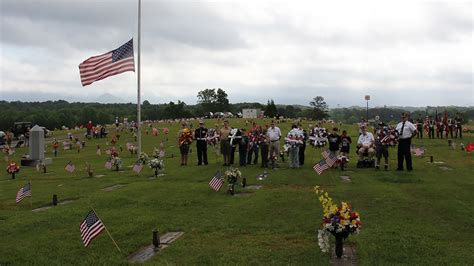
x=201 y=145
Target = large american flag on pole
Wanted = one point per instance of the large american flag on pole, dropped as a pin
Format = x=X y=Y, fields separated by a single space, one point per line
x=24 y=192
x=91 y=227
x=216 y=182
x=112 y=63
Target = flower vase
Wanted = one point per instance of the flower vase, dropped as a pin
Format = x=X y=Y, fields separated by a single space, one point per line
x=13 y=175
x=339 y=246
x=116 y=168
x=231 y=189
x=156 y=173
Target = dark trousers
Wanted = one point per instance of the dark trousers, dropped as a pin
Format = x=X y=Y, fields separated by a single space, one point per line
x=242 y=155
x=431 y=133
x=404 y=153
x=253 y=150
x=232 y=153
x=264 y=153
x=420 y=133
x=301 y=153
x=201 y=147
x=459 y=129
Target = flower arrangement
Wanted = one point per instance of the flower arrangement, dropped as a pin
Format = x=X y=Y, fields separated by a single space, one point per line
x=117 y=162
x=318 y=137
x=186 y=137
x=156 y=164
x=338 y=221
x=232 y=175
x=143 y=159
x=166 y=131
x=212 y=137
x=12 y=169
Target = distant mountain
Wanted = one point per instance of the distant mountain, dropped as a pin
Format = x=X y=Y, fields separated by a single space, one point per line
x=109 y=98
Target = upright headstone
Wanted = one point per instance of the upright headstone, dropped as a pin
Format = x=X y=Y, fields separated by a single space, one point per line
x=37 y=143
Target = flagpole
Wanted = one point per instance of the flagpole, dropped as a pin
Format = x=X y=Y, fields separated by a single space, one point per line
x=108 y=232
x=139 y=118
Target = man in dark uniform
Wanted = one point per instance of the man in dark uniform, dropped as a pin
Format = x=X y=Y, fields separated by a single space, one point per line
x=201 y=145
x=419 y=127
x=458 y=125
x=431 y=128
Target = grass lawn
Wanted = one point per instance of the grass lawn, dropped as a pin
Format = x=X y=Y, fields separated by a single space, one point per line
x=421 y=217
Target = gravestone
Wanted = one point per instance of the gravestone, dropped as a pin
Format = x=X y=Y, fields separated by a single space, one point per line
x=36 y=143
x=148 y=252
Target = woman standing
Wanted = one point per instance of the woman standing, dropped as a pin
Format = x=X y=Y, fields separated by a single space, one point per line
x=185 y=138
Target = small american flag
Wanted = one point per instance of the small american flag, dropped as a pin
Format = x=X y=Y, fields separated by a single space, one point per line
x=419 y=151
x=161 y=154
x=108 y=165
x=112 y=63
x=91 y=227
x=216 y=182
x=25 y=191
x=321 y=166
x=330 y=157
x=70 y=167
x=138 y=168
x=98 y=152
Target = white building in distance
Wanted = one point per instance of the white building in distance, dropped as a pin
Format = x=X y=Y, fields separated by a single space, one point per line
x=251 y=113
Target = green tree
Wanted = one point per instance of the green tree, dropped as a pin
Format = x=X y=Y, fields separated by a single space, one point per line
x=271 y=109
x=320 y=108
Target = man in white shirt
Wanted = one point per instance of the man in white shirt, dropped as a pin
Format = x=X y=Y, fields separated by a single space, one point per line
x=274 y=135
x=406 y=130
x=366 y=143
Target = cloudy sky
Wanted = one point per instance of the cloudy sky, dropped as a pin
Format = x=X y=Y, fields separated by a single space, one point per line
x=400 y=53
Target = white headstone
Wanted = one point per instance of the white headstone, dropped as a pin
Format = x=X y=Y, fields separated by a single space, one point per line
x=37 y=143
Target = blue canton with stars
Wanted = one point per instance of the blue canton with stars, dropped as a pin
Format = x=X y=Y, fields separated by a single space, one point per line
x=123 y=51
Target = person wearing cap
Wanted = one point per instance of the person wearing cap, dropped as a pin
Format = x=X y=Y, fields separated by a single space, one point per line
x=224 y=133
x=365 y=142
x=201 y=144
x=406 y=130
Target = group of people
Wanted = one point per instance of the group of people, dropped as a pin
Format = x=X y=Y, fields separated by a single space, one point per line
x=449 y=127
x=265 y=142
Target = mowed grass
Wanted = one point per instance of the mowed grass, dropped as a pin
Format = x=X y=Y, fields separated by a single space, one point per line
x=423 y=217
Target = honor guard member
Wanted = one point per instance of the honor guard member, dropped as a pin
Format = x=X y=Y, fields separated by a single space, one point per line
x=201 y=144
x=458 y=125
x=419 y=127
x=406 y=131
x=431 y=128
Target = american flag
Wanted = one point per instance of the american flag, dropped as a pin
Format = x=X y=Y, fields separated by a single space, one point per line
x=70 y=167
x=419 y=151
x=137 y=168
x=91 y=227
x=25 y=191
x=98 y=152
x=216 y=182
x=112 y=63
x=108 y=165
x=330 y=157
x=321 y=166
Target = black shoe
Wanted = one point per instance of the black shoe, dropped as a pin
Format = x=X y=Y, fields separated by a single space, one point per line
x=205 y=163
x=398 y=169
x=386 y=167
x=409 y=170
x=377 y=167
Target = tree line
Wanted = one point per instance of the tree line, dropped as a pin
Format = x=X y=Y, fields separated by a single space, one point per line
x=55 y=114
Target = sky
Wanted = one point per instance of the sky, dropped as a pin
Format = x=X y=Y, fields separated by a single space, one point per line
x=401 y=53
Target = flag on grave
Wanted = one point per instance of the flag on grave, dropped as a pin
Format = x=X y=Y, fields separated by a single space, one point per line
x=330 y=157
x=25 y=191
x=137 y=168
x=112 y=63
x=91 y=227
x=321 y=166
x=419 y=151
x=217 y=181
x=108 y=165
x=70 y=167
